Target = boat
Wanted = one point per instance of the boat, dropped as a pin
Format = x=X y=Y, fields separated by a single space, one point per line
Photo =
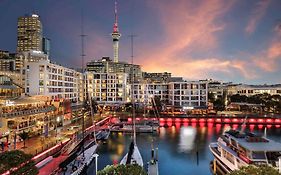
x=79 y=163
x=133 y=156
x=103 y=134
x=235 y=149
x=138 y=128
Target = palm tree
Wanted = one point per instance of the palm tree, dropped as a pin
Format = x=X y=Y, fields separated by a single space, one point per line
x=24 y=136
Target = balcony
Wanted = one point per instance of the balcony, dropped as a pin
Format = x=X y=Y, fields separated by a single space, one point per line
x=29 y=112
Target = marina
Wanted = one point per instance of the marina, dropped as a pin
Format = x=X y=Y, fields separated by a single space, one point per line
x=177 y=144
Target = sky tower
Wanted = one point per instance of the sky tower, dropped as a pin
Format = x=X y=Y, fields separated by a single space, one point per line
x=115 y=37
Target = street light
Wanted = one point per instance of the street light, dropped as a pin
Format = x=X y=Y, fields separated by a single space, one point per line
x=96 y=158
x=57 y=123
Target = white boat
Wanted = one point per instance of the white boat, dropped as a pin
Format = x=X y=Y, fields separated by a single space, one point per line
x=234 y=149
x=133 y=156
x=80 y=163
x=138 y=128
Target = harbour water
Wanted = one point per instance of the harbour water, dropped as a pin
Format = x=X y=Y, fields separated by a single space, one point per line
x=183 y=148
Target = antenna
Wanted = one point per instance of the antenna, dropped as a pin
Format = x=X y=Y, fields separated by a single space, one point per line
x=132 y=91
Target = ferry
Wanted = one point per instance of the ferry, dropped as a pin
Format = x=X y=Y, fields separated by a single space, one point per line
x=235 y=149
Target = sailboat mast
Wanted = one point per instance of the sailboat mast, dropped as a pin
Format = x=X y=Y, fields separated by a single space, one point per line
x=133 y=80
x=83 y=81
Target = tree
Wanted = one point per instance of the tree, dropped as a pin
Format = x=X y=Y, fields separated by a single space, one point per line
x=24 y=136
x=122 y=170
x=18 y=163
x=253 y=170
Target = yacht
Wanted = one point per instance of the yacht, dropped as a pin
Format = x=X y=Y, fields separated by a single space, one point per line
x=234 y=149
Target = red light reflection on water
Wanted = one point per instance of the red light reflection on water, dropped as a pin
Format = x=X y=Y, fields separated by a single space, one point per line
x=185 y=124
x=268 y=126
x=277 y=126
x=193 y=125
x=162 y=123
x=218 y=128
x=201 y=124
x=260 y=126
x=235 y=126
x=169 y=123
x=178 y=125
x=252 y=127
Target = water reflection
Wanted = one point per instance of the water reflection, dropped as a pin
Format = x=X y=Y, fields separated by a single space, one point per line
x=177 y=145
x=187 y=137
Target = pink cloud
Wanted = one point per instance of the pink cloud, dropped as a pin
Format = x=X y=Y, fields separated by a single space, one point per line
x=256 y=15
x=268 y=59
x=188 y=27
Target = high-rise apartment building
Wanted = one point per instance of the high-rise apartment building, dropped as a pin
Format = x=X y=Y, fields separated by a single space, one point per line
x=29 y=33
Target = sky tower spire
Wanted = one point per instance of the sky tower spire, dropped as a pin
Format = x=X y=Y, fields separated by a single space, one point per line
x=115 y=36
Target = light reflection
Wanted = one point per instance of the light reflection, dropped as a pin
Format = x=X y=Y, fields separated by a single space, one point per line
x=201 y=125
x=235 y=126
x=252 y=127
x=269 y=126
x=218 y=128
x=226 y=127
x=187 y=137
x=260 y=126
x=193 y=125
x=162 y=132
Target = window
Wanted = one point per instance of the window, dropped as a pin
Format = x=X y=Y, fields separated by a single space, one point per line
x=41 y=90
x=41 y=83
x=41 y=76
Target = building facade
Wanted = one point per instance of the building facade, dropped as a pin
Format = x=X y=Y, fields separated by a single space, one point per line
x=106 y=65
x=143 y=92
x=163 y=77
x=29 y=33
x=250 y=90
x=48 y=79
x=188 y=94
x=107 y=88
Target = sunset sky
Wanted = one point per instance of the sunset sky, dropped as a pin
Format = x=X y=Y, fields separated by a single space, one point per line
x=229 y=40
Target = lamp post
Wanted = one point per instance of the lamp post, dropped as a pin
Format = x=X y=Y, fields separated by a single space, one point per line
x=57 y=124
x=96 y=163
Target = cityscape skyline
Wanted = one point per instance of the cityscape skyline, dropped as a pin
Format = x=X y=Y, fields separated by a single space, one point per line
x=195 y=40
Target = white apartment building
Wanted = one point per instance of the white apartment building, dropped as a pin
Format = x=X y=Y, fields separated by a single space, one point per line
x=48 y=79
x=188 y=94
x=143 y=92
x=107 y=88
x=250 y=90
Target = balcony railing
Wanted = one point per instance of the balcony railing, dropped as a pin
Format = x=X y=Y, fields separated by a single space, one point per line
x=29 y=112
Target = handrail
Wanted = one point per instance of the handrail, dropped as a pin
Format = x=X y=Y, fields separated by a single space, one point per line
x=29 y=112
